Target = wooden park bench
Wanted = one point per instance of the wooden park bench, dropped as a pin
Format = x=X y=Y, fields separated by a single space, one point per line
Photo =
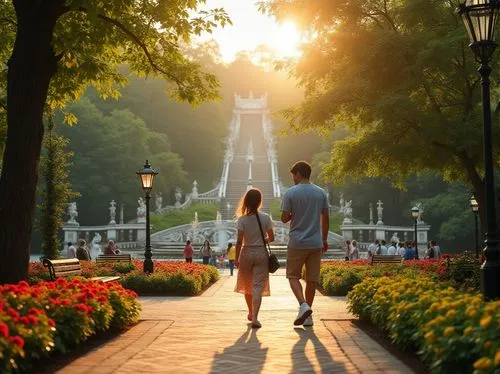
x=105 y=259
x=386 y=259
x=70 y=268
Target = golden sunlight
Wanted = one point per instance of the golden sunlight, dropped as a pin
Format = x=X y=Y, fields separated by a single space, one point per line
x=285 y=40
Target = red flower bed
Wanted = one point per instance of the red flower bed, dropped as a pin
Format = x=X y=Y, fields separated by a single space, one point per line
x=53 y=316
x=169 y=277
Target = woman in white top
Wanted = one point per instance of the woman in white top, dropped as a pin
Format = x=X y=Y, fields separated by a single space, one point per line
x=251 y=253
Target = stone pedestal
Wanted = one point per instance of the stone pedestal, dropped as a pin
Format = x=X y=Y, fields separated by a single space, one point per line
x=380 y=234
x=347 y=234
x=112 y=235
x=141 y=235
x=70 y=236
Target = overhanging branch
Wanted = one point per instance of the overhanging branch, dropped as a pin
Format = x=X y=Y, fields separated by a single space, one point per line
x=140 y=43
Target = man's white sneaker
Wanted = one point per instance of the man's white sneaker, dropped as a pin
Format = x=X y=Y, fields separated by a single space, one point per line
x=304 y=312
x=308 y=321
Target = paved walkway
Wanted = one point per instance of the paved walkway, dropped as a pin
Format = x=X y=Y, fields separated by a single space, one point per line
x=210 y=334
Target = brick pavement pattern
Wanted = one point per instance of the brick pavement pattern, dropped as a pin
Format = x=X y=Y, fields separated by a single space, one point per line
x=210 y=334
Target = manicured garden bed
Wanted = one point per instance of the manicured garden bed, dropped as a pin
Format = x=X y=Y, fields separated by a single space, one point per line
x=39 y=320
x=454 y=331
x=169 y=278
x=432 y=307
x=337 y=278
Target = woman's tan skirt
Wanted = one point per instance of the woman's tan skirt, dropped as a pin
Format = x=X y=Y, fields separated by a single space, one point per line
x=253 y=272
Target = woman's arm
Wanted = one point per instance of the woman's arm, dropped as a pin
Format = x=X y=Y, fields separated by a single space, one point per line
x=239 y=243
x=270 y=235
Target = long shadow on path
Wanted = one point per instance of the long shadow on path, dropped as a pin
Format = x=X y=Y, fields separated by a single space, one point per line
x=246 y=355
x=303 y=357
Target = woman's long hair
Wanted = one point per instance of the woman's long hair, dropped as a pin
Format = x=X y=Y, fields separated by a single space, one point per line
x=250 y=202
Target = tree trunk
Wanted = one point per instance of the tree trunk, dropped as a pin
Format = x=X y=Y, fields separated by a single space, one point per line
x=30 y=69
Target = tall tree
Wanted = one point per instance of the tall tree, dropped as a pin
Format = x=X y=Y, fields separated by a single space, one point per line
x=61 y=47
x=400 y=77
x=56 y=192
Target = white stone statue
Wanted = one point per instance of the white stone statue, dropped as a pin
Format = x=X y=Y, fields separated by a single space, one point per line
x=112 y=212
x=395 y=238
x=178 y=197
x=348 y=212
x=218 y=218
x=95 y=248
x=420 y=207
x=73 y=213
x=341 y=202
x=158 y=202
x=141 y=211
x=194 y=191
x=379 y=212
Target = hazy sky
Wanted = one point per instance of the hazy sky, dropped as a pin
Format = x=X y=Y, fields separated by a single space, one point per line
x=250 y=29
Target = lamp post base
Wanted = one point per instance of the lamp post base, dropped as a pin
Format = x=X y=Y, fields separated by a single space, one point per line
x=490 y=280
x=148 y=262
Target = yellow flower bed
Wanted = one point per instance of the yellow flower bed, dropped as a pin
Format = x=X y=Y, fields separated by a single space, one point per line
x=454 y=331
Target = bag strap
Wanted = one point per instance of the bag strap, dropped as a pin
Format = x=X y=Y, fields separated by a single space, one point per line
x=262 y=233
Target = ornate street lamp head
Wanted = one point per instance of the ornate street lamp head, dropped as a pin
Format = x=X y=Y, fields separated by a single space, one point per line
x=147 y=176
x=480 y=18
x=414 y=212
x=473 y=203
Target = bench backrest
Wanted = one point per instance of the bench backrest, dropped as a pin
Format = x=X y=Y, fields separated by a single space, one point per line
x=114 y=258
x=386 y=259
x=63 y=268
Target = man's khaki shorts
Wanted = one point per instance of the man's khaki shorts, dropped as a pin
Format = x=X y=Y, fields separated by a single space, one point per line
x=297 y=258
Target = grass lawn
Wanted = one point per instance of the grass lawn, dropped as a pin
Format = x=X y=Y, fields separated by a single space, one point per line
x=206 y=212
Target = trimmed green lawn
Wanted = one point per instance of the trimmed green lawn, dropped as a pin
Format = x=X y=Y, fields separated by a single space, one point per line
x=206 y=212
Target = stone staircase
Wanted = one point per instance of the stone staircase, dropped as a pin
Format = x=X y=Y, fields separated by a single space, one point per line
x=250 y=131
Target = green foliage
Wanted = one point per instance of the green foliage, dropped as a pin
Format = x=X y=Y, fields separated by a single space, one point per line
x=464 y=271
x=402 y=85
x=336 y=221
x=108 y=150
x=206 y=212
x=56 y=191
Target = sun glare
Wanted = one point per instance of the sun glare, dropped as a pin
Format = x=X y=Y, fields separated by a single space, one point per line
x=285 y=40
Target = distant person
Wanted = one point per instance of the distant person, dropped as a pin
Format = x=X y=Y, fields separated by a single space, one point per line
x=206 y=252
x=372 y=248
x=437 y=249
x=392 y=250
x=255 y=229
x=347 y=249
x=82 y=252
x=231 y=256
x=409 y=252
x=354 y=251
x=111 y=249
x=222 y=262
x=188 y=252
x=71 y=253
x=305 y=206
x=401 y=249
x=382 y=248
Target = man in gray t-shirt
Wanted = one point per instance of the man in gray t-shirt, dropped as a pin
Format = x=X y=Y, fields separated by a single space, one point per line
x=305 y=206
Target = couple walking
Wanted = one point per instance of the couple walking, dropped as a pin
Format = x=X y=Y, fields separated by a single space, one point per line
x=305 y=206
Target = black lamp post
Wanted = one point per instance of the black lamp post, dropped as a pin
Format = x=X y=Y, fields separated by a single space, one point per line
x=414 y=213
x=475 y=209
x=480 y=17
x=147 y=176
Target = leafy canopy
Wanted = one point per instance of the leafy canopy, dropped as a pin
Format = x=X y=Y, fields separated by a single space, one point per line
x=93 y=38
x=399 y=77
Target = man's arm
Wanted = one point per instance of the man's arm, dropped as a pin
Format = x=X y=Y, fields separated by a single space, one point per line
x=325 y=227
